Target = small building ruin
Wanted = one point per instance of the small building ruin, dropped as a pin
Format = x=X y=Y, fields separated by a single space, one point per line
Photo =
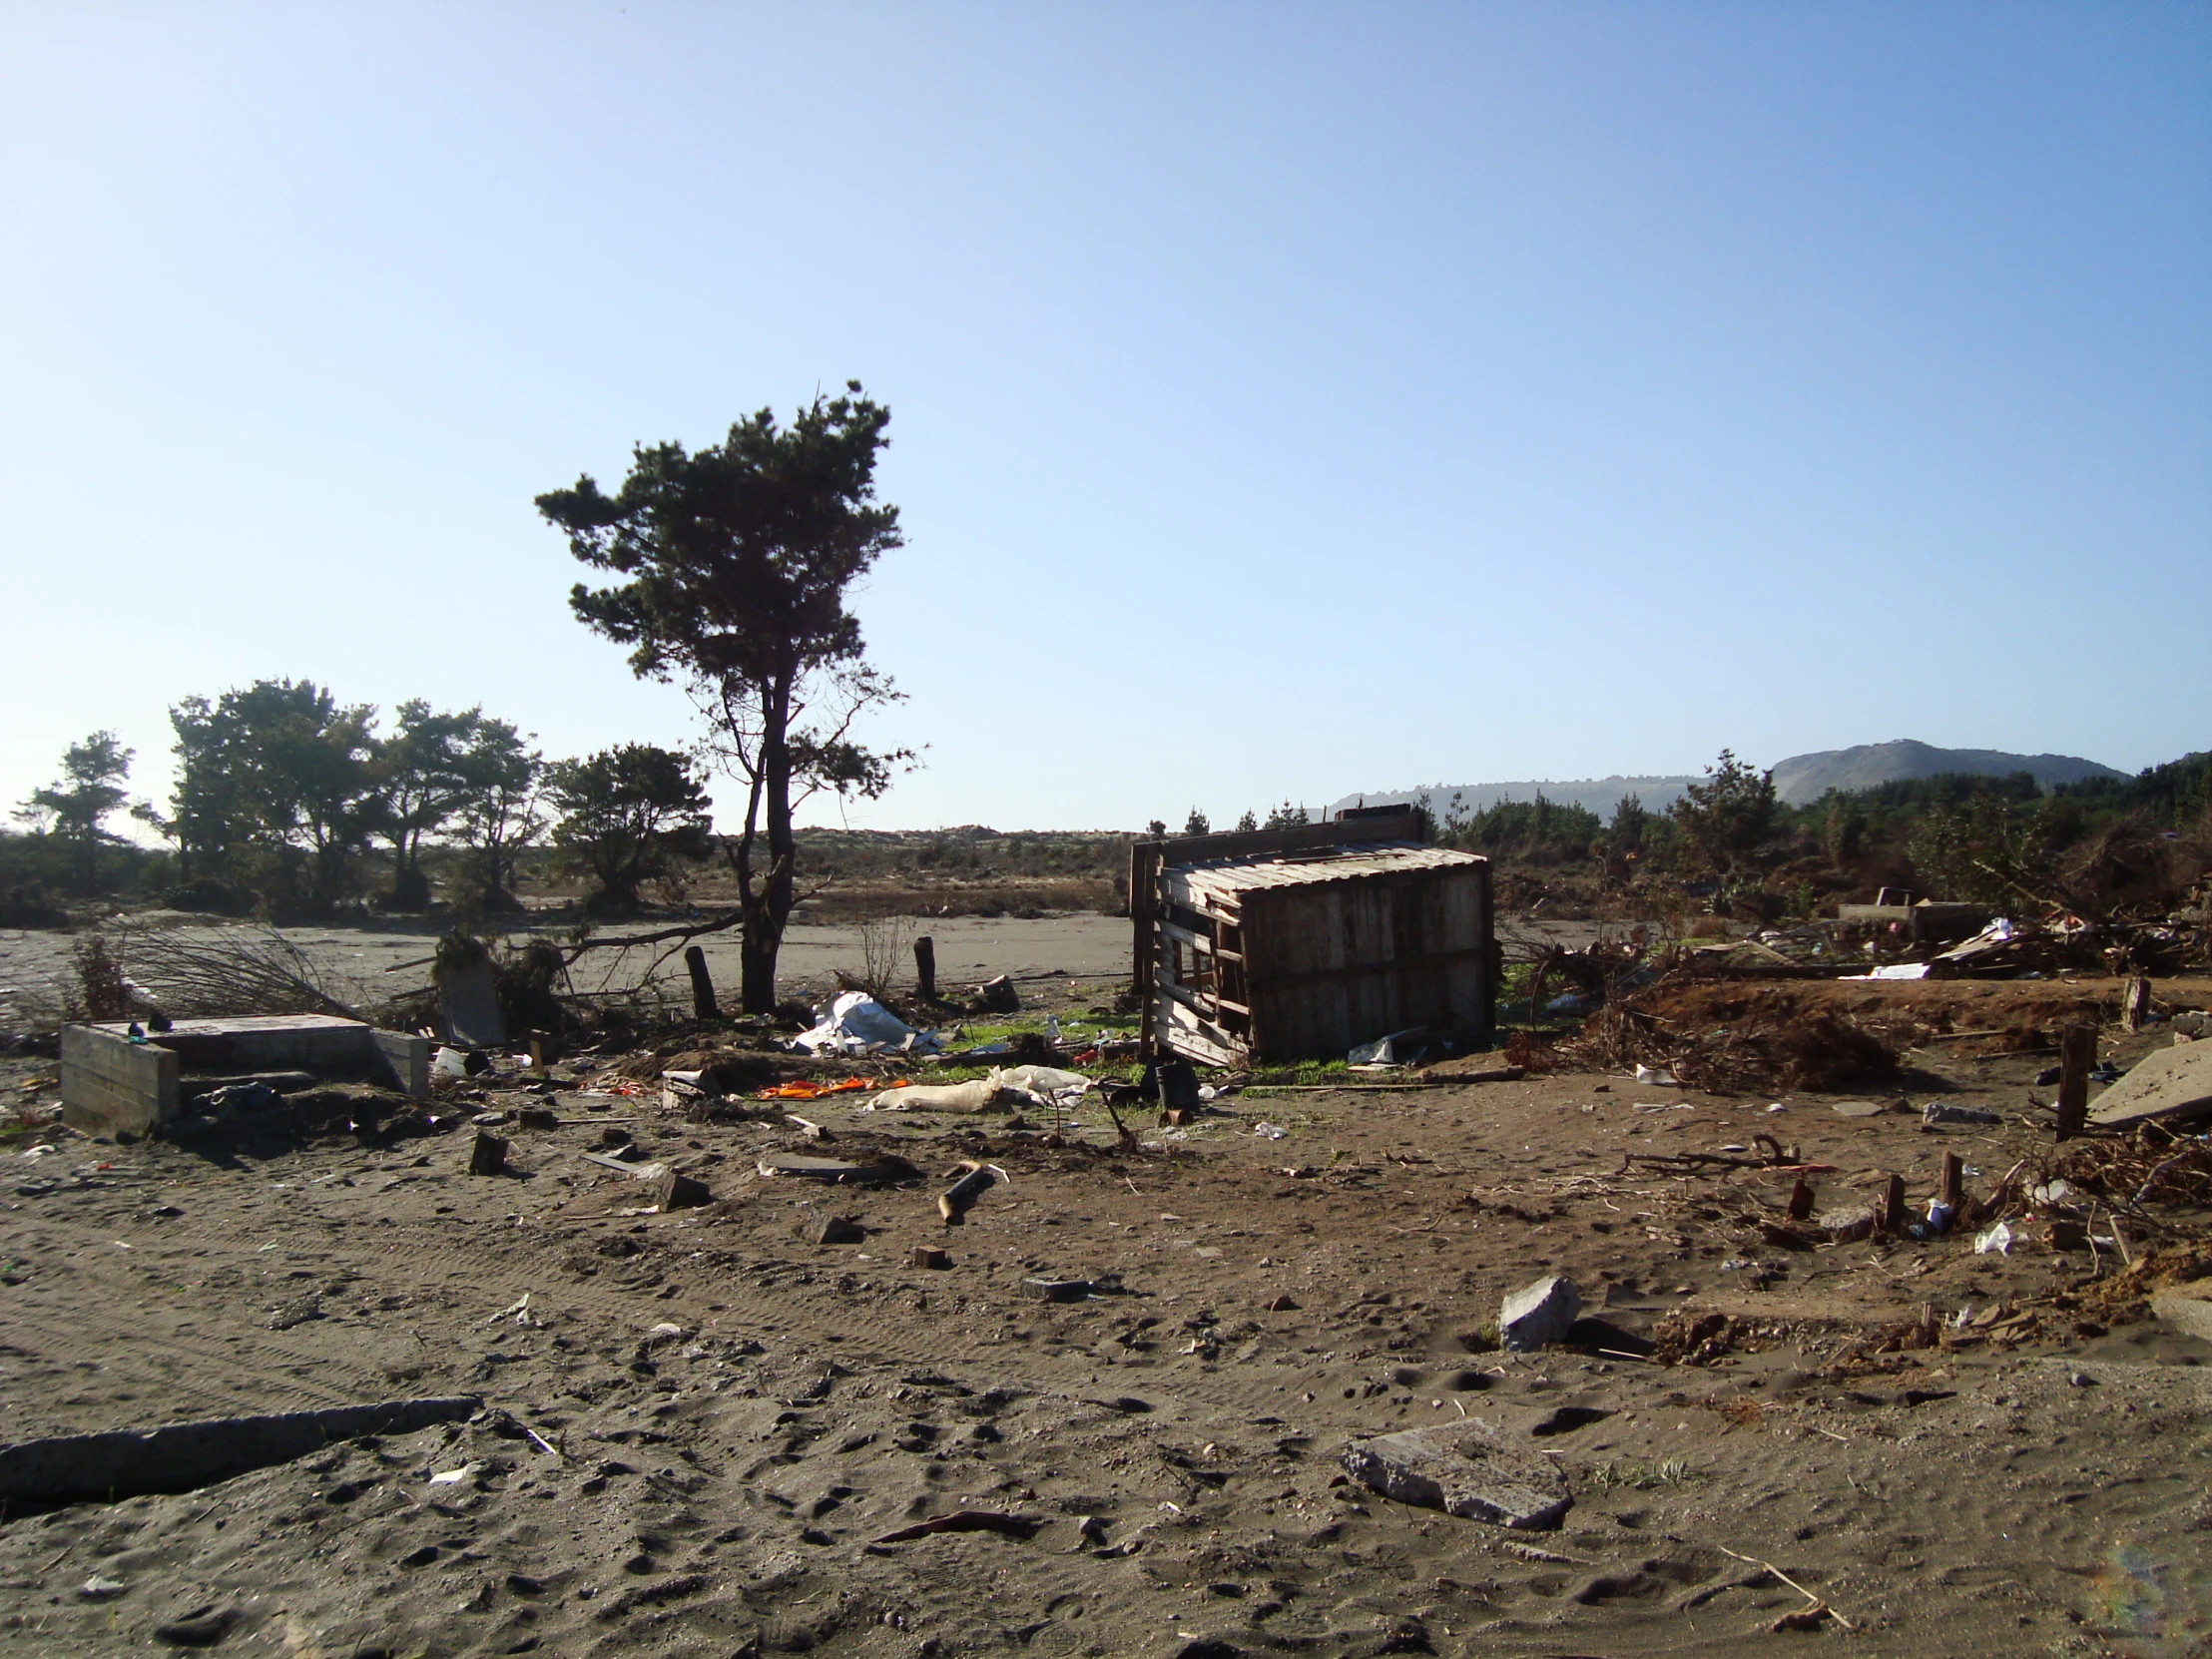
x=1299 y=943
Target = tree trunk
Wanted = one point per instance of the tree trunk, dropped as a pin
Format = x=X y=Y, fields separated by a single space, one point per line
x=771 y=909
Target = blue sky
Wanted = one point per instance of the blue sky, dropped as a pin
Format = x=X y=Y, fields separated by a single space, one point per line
x=1288 y=400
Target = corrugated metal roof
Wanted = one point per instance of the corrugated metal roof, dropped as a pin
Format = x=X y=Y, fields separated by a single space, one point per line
x=1226 y=877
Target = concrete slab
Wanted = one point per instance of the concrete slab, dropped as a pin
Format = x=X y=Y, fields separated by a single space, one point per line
x=1464 y=1470
x=113 y=1086
x=2173 y=1082
x=2186 y=1308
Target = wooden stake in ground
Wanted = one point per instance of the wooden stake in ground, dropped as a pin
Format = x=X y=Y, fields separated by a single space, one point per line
x=1893 y=1205
x=2077 y=1053
x=702 y=985
x=926 y=968
x=2135 y=1002
x=1801 y=1200
x=488 y=1156
x=1951 y=1189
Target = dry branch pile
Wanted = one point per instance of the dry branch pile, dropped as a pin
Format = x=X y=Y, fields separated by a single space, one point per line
x=239 y=970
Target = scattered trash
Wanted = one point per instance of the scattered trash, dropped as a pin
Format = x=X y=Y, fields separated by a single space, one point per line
x=1998 y=1241
x=1656 y=1078
x=97 y=1588
x=996 y=996
x=929 y=1256
x=1398 y=1049
x=855 y=1023
x=1935 y=1112
x=1269 y=1131
x=453 y=1477
x=519 y=1311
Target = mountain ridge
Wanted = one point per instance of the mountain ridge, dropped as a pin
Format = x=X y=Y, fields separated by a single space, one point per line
x=1797 y=781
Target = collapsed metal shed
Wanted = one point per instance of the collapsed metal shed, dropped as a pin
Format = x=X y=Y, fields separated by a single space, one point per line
x=1298 y=943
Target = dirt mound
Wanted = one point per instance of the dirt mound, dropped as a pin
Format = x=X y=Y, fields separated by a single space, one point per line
x=1730 y=1037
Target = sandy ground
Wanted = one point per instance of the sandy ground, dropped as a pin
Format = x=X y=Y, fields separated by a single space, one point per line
x=367 y=966
x=737 y=1416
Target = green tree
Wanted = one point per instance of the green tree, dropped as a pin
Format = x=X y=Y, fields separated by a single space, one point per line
x=74 y=808
x=628 y=816
x=275 y=788
x=1196 y=823
x=1287 y=817
x=421 y=779
x=1728 y=815
x=1248 y=823
x=500 y=815
x=736 y=563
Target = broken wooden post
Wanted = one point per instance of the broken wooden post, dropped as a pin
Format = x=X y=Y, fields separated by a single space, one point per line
x=1893 y=1205
x=490 y=1155
x=1951 y=1189
x=1801 y=1200
x=702 y=984
x=2135 y=1002
x=2077 y=1053
x=926 y=968
x=537 y=1055
x=959 y=1199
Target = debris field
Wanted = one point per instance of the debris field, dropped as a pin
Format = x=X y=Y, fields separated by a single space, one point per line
x=1138 y=1398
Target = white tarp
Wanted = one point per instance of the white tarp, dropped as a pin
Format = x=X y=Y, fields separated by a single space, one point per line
x=859 y=1024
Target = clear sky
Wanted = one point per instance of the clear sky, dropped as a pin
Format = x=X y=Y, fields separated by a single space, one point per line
x=1289 y=399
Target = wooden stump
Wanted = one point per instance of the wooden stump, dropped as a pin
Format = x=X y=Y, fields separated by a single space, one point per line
x=490 y=1155
x=702 y=985
x=1801 y=1200
x=2077 y=1053
x=2135 y=1002
x=1950 y=1189
x=926 y=968
x=1894 y=1212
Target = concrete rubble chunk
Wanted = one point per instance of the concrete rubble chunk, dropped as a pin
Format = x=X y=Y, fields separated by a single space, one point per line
x=1539 y=1313
x=2170 y=1083
x=2186 y=1308
x=1464 y=1470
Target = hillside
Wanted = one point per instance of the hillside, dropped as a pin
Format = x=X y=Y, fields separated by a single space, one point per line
x=1797 y=780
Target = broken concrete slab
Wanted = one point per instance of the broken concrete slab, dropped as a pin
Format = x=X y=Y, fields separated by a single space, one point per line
x=468 y=1003
x=116 y=1084
x=674 y=1190
x=1057 y=1289
x=1539 y=1313
x=2171 y=1083
x=2186 y=1308
x=185 y=1456
x=1464 y=1470
x=833 y=1230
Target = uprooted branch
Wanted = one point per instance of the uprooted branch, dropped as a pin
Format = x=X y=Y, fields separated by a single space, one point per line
x=234 y=970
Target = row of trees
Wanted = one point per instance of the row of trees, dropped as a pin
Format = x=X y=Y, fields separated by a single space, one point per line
x=281 y=790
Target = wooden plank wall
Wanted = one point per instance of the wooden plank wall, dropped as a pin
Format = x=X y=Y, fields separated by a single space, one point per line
x=1344 y=962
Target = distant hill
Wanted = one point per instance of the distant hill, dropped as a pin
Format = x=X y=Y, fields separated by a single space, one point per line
x=1800 y=779
x=1804 y=777
x=1598 y=795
